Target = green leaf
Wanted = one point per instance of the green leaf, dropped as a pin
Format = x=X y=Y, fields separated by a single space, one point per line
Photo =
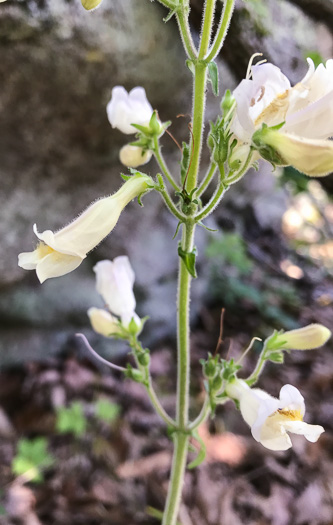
x=31 y=457
x=106 y=411
x=201 y=453
x=190 y=65
x=189 y=260
x=177 y=230
x=71 y=420
x=213 y=77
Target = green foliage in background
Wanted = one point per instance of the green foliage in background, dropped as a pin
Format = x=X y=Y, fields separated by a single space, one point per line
x=231 y=249
x=31 y=458
x=72 y=419
x=106 y=411
x=233 y=281
x=316 y=57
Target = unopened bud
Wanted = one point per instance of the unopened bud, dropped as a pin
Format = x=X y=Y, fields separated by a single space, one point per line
x=134 y=156
x=210 y=369
x=144 y=359
x=89 y=5
x=217 y=383
x=307 y=338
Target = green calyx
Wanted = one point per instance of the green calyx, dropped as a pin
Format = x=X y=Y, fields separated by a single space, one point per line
x=267 y=151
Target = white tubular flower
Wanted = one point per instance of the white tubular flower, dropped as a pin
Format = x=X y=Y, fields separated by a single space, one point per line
x=61 y=252
x=271 y=419
x=114 y=282
x=134 y=156
x=306 y=338
x=125 y=109
x=305 y=109
x=103 y=322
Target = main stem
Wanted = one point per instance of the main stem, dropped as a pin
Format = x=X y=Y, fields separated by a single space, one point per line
x=181 y=435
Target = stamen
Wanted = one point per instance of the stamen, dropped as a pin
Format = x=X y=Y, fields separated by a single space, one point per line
x=249 y=67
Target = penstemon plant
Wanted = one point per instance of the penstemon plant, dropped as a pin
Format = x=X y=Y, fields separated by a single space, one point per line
x=265 y=117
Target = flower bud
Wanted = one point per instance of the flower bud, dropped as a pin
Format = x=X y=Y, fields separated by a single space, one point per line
x=103 y=322
x=89 y=5
x=307 y=338
x=210 y=369
x=217 y=383
x=125 y=109
x=134 y=156
x=144 y=358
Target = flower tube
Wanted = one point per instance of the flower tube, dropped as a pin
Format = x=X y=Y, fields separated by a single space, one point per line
x=125 y=109
x=271 y=419
x=63 y=251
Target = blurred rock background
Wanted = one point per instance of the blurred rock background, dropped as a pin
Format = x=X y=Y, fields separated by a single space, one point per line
x=58 y=152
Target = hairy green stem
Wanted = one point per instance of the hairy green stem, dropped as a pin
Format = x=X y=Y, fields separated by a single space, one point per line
x=207 y=28
x=253 y=378
x=210 y=207
x=168 y=4
x=157 y=405
x=183 y=331
x=171 y=205
x=204 y=413
x=185 y=32
x=207 y=179
x=222 y=30
x=137 y=349
x=200 y=80
x=176 y=479
x=183 y=374
x=162 y=164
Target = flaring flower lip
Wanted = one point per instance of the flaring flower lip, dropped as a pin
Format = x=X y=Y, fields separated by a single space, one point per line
x=270 y=418
x=125 y=109
x=306 y=108
x=63 y=251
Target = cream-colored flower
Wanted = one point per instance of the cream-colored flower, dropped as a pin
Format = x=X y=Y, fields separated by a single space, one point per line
x=125 y=109
x=103 y=322
x=134 y=156
x=306 y=111
x=90 y=5
x=271 y=419
x=61 y=252
x=306 y=338
x=114 y=282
